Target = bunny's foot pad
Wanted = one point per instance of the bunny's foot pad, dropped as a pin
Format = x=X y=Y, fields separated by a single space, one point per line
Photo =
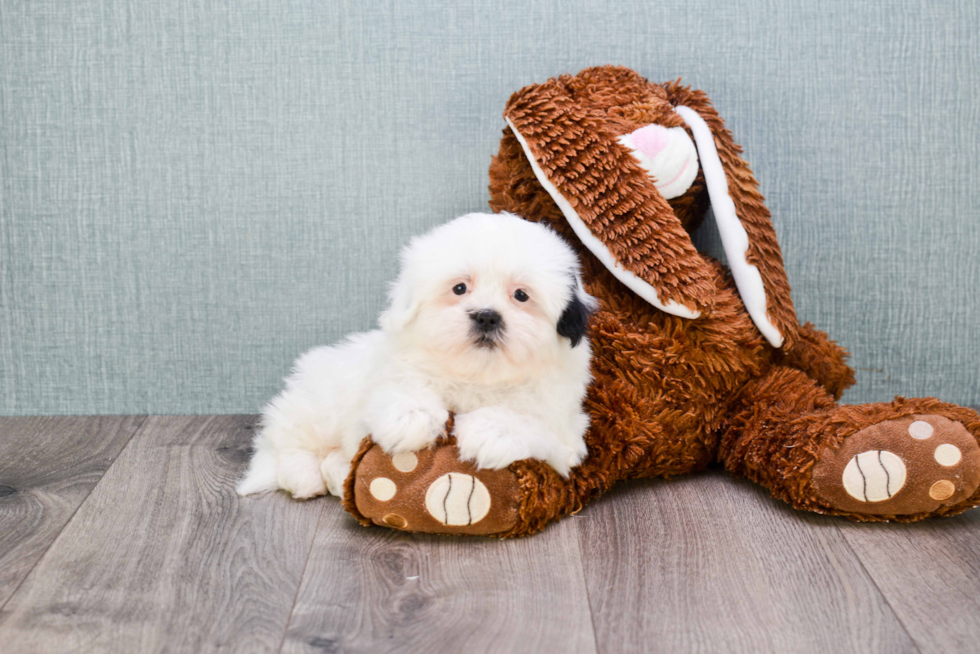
x=919 y=464
x=430 y=491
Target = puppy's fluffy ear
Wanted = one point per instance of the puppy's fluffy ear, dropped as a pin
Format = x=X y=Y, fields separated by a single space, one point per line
x=574 y=321
x=402 y=306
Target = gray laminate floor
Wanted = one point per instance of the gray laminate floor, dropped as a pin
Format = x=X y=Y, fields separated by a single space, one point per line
x=124 y=534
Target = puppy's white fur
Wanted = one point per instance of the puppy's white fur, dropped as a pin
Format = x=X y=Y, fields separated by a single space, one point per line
x=517 y=392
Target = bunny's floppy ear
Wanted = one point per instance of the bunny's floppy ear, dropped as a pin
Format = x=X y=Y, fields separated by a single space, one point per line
x=743 y=220
x=611 y=148
x=609 y=200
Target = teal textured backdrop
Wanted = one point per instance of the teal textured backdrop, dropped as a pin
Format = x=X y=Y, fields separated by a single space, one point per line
x=193 y=193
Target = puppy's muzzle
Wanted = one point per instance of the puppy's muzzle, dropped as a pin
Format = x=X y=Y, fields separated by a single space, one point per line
x=487 y=324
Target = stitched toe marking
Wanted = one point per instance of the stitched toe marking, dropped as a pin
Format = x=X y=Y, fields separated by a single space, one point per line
x=874 y=476
x=457 y=499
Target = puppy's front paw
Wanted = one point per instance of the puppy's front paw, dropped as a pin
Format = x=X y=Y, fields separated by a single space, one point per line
x=408 y=428
x=492 y=444
x=495 y=438
x=569 y=458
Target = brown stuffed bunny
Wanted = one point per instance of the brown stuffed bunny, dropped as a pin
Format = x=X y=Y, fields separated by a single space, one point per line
x=693 y=363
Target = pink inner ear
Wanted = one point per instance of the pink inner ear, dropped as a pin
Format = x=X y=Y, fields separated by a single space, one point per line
x=650 y=140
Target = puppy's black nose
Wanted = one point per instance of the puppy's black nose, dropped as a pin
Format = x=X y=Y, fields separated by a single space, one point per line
x=486 y=320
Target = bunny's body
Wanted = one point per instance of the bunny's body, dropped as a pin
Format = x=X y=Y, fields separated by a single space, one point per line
x=693 y=363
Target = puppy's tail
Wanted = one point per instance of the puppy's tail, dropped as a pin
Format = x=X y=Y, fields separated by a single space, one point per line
x=261 y=475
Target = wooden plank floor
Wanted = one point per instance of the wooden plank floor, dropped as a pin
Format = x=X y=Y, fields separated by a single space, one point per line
x=125 y=535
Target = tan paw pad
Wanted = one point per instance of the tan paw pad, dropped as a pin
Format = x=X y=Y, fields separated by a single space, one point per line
x=405 y=461
x=942 y=490
x=904 y=466
x=920 y=429
x=383 y=489
x=947 y=455
x=395 y=521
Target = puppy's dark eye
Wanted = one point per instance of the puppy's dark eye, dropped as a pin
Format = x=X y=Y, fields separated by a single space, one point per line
x=459 y=289
x=520 y=295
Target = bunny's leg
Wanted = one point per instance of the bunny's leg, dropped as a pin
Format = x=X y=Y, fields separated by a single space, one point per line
x=904 y=460
x=823 y=360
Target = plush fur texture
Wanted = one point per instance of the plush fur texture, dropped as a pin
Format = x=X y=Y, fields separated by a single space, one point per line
x=673 y=395
x=487 y=320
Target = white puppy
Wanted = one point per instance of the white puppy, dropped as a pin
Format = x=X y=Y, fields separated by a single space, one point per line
x=487 y=319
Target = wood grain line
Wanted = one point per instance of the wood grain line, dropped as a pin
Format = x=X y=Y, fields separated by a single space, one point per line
x=930 y=574
x=710 y=563
x=164 y=556
x=377 y=590
x=119 y=534
x=48 y=467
